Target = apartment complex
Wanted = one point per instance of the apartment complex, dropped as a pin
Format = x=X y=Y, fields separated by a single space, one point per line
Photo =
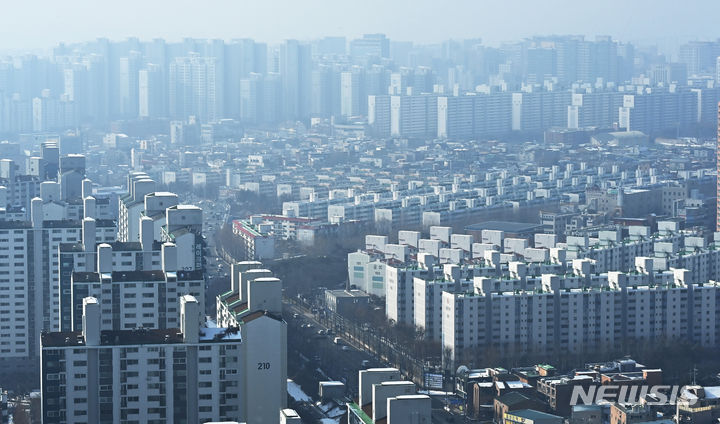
x=585 y=293
x=494 y=113
x=565 y=314
x=186 y=374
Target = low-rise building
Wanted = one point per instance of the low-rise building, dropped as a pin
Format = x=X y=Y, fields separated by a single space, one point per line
x=256 y=238
x=699 y=405
x=385 y=398
x=346 y=302
x=529 y=416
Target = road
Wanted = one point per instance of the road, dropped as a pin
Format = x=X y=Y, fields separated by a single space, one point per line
x=335 y=361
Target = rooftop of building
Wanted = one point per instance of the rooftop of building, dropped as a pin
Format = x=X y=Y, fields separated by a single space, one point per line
x=347 y=293
x=138 y=276
x=288 y=218
x=15 y=225
x=512 y=399
x=529 y=372
x=237 y=306
x=361 y=412
x=259 y=314
x=505 y=226
x=76 y=223
x=534 y=415
x=581 y=408
x=162 y=193
x=186 y=207
x=71 y=247
x=565 y=379
x=85 y=277
x=229 y=297
x=117 y=246
x=179 y=232
x=707 y=392
x=141 y=336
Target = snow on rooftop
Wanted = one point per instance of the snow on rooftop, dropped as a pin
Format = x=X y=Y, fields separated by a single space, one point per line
x=296 y=392
x=516 y=384
x=712 y=392
x=213 y=333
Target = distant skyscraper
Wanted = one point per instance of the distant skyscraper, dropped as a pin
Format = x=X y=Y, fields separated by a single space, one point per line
x=699 y=56
x=251 y=99
x=353 y=97
x=129 y=68
x=72 y=81
x=540 y=64
x=605 y=59
x=321 y=92
x=156 y=52
x=379 y=114
x=150 y=92
x=95 y=103
x=331 y=46
x=370 y=45
x=377 y=79
x=194 y=85
x=399 y=82
x=295 y=70
x=272 y=98
x=44 y=111
x=239 y=62
x=423 y=80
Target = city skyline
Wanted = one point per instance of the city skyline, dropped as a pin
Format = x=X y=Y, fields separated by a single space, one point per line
x=398 y=212
x=423 y=23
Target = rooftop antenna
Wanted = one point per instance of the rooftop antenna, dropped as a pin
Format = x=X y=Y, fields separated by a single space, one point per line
x=694 y=376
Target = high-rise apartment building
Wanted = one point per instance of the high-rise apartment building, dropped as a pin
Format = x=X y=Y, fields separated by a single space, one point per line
x=325 y=100
x=353 y=97
x=328 y=46
x=135 y=288
x=30 y=299
x=379 y=114
x=377 y=45
x=251 y=99
x=242 y=57
x=571 y=315
x=129 y=84
x=186 y=374
x=699 y=56
x=413 y=116
x=295 y=71
x=151 y=92
x=254 y=304
x=196 y=88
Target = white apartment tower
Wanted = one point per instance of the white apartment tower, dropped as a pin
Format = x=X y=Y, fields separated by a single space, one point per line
x=186 y=374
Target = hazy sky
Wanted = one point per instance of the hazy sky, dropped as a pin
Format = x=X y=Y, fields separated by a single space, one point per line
x=45 y=23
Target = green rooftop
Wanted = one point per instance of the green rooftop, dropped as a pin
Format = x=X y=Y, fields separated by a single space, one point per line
x=360 y=413
x=546 y=367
